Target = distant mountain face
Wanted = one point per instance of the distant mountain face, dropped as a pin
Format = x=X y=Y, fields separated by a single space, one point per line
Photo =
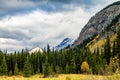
x=36 y=49
x=64 y=44
x=105 y=22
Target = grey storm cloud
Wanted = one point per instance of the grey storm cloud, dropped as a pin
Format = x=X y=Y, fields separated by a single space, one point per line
x=11 y=7
x=17 y=35
x=66 y=1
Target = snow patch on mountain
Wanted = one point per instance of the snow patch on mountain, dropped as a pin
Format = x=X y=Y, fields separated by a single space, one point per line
x=36 y=49
x=65 y=43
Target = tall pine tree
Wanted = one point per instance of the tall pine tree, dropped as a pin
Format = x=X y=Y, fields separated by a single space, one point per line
x=114 y=49
x=27 y=68
x=72 y=66
x=46 y=68
x=107 y=52
x=118 y=43
x=16 y=72
x=67 y=69
x=4 y=66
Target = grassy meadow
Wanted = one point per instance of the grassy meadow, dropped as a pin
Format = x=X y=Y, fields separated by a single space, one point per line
x=63 y=77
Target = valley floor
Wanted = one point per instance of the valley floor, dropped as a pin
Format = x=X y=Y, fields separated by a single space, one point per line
x=64 y=77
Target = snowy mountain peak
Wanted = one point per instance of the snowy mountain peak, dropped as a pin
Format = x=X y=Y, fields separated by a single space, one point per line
x=36 y=49
x=65 y=43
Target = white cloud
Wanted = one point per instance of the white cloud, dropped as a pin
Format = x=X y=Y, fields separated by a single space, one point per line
x=45 y=28
x=104 y=2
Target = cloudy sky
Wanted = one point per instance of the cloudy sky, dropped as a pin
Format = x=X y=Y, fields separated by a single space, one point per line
x=31 y=23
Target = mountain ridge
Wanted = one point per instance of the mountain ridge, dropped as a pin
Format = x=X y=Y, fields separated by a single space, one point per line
x=103 y=23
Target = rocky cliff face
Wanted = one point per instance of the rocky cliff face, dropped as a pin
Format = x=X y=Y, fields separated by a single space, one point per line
x=104 y=20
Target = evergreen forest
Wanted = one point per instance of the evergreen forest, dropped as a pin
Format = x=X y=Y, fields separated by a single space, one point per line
x=78 y=60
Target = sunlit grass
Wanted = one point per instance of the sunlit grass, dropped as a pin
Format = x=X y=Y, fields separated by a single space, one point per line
x=64 y=77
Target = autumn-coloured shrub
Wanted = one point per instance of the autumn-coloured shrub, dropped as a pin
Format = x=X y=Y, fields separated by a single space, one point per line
x=85 y=67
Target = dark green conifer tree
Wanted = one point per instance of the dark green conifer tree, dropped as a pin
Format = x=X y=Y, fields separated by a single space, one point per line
x=118 y=43
x=107 y=52
x=4 y=66
x=114 y=53
x=46 y=68
x=67 y=69
x=72 y=66
x=16 y=71
x=27 y=68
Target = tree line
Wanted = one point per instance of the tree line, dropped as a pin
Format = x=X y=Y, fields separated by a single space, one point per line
x=74 y=61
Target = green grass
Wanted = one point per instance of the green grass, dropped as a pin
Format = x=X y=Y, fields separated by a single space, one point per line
x=64 y=77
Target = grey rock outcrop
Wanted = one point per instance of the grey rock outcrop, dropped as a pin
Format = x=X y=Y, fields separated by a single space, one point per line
x=99 y=23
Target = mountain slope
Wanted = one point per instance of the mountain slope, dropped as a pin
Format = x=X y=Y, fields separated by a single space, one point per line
x=104 y=23
x=65 y=43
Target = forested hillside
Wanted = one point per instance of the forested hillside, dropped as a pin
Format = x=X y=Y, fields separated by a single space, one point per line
x=51 y=63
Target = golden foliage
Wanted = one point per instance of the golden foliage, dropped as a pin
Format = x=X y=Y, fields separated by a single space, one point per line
x=95 y=43
x=85 y=67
